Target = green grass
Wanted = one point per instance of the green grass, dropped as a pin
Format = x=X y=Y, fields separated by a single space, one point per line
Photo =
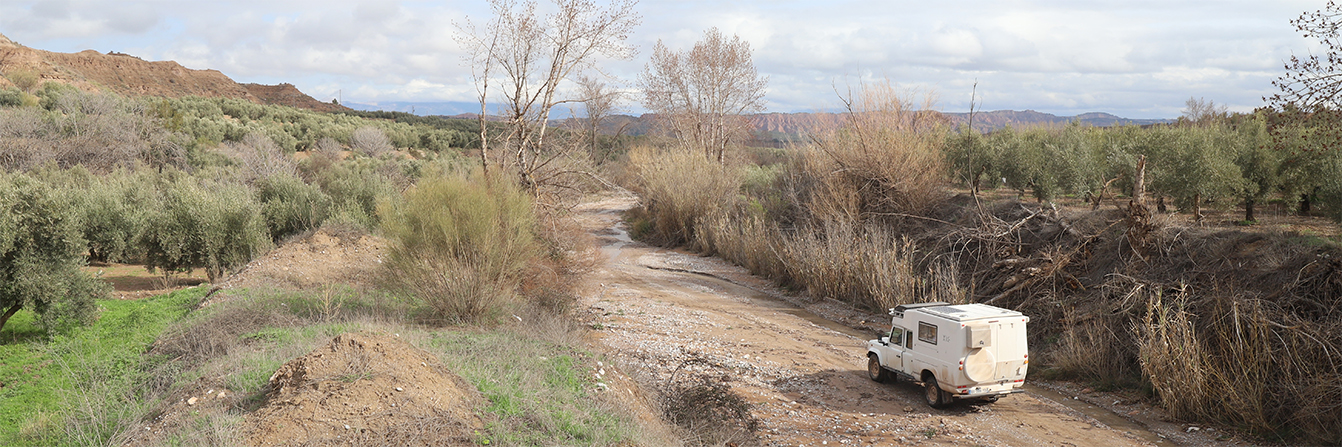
x=538 y=393
x=85 y=373
x=90 y=385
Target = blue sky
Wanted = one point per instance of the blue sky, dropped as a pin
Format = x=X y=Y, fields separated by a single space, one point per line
x=1134 y=58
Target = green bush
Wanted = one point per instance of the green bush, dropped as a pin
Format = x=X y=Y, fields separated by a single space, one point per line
x=461 y=245
x=204 y=224
x=291 y=206
x=41 y=253
x=356 y=187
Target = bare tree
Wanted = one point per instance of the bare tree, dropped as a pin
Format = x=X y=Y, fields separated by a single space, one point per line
x=1313 y=81
x=600 y=100
x=1204 y=112
x=701 y=95
x=531 y=56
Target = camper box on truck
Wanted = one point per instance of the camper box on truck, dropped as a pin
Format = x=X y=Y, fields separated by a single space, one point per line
x=962 y=351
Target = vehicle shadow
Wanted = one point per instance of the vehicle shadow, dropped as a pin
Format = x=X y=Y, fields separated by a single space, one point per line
x=851 y=391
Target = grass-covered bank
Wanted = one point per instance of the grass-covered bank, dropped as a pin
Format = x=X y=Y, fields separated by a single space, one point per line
x=60 y=387
x=100 y=383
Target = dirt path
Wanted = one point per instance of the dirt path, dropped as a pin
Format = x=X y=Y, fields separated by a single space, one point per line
x=805 y=375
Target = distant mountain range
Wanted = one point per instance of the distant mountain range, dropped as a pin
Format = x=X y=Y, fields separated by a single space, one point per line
x=774 y=125
x=997 y=119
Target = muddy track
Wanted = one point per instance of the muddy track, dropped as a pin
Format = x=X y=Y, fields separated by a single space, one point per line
x=659 y=310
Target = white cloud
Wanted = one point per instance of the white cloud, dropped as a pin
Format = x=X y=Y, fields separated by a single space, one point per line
x=1142 y=58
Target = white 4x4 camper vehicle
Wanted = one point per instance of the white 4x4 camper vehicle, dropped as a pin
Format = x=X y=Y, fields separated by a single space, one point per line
x=962 y=351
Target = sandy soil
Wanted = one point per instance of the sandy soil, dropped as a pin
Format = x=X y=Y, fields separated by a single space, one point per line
x=656 y=309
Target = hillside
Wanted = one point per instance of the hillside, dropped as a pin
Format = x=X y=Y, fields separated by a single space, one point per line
x=128 y=75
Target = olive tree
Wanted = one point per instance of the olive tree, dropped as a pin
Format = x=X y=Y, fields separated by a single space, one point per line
x=701 y=95
x=41 y=252
x=212 y=225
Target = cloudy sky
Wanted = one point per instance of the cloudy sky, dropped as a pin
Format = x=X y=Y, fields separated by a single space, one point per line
x=1133 y=58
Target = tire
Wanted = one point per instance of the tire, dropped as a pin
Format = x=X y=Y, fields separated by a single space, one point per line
x=936 y=397
x=875 y=371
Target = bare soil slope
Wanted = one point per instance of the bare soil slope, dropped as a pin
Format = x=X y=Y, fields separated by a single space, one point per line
x=365 y=389
x=128 y=75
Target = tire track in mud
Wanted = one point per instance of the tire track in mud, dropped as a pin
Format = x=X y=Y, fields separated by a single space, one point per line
x=805 y=376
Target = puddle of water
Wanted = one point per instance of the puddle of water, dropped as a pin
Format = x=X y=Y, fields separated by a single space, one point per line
x=1113 y=420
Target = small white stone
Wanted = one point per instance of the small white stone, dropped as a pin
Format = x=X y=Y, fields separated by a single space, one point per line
x=346 y=426
x=399 y=389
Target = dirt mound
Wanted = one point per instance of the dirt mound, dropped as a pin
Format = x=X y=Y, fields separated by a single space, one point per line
x=365 y=389
x=325 y=257
x=288 y=95
x=128 y=75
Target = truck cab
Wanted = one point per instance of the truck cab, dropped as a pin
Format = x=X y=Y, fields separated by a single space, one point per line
x=962 y=351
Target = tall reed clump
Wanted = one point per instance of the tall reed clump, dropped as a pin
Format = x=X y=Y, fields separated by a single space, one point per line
x=460 y=246
x=828 y=219
x=880 y=158
x=678 y=188
x=1244 y=362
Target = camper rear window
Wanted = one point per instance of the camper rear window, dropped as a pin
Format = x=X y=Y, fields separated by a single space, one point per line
x=927 y=333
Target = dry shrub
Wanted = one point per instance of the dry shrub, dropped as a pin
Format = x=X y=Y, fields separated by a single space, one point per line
x=879 y=158
x=1232 y=360
x=218 y=333
x=261 y=158
x=710 y=412
x=99 y=131
x=678 y=188
x=370 y=141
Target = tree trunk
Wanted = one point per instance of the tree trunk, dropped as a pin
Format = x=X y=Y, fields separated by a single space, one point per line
x=1304 y=204
x=1160 y=204
x=1139 y=182
x=1197 y=208
x=1248 y=210
x=9 y=313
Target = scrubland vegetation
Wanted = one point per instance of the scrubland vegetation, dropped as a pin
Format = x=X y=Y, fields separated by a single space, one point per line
x=1218 y=323
x=208 y=184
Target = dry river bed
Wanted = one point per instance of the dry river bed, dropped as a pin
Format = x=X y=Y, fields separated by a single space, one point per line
x=659 y=310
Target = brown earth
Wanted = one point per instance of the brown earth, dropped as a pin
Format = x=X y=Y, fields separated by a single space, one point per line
x=365 y=389
x=128 y=75
x=325 y=257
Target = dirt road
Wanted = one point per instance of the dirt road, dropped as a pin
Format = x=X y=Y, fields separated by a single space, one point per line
x=805 y=375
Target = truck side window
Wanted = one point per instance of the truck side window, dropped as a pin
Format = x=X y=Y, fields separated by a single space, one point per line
x=927 y=333
x=908 y=340
x=896 y=335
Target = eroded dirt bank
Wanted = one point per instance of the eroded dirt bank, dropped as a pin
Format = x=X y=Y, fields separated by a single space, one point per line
x=660 y=311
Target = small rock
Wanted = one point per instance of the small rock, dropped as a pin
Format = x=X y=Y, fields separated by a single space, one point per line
x=191 y=401
x=908 y=409
x=346 y=426
x=1193 y=429
x=221 y=395
x=399 y=389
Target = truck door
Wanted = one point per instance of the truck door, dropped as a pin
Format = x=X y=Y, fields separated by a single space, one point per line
x=894 y=354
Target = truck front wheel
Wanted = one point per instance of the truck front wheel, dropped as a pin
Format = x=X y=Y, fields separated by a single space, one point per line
x=936 y=397
x=875 y=371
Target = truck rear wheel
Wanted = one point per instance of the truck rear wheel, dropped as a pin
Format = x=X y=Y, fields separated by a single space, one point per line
x=875 y=371
x=936 y=397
